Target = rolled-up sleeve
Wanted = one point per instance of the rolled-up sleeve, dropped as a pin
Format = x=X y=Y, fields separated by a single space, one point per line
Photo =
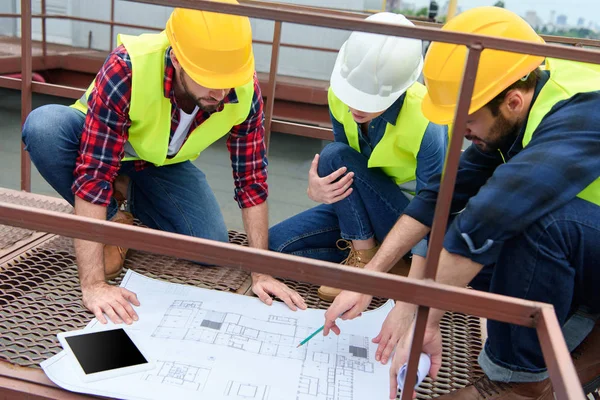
x=105 y=131
x=246 y=144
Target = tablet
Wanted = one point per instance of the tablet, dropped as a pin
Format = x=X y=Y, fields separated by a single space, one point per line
x=104 y=354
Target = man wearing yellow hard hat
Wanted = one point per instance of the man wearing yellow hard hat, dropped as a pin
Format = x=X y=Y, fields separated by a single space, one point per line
x=384 y=151
x=526 y=206
x=157 y=103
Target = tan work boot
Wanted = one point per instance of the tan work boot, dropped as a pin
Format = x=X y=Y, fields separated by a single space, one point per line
x=486 y=389
x=114 y=256
x=356 y=258
x=586 y=358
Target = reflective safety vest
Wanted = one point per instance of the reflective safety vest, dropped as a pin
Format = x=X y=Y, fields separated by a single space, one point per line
x=567 y=78
x=150 y=110
x=396 y=152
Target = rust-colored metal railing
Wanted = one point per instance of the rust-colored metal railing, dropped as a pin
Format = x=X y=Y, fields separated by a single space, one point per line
x=426 y=293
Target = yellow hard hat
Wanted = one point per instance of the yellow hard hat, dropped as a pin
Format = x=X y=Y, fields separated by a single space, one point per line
x=444 y=62
x=214 y=49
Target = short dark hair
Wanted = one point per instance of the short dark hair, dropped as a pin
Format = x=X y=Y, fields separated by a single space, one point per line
x=526 y=84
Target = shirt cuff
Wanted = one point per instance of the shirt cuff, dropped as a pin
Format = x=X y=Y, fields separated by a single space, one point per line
x=481 y=251
x=252 y=195
x=95 y=191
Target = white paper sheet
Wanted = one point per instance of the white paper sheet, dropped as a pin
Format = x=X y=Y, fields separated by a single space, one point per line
x=215 y=345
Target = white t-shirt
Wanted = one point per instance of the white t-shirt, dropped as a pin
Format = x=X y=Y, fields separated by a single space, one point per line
x=185 y=120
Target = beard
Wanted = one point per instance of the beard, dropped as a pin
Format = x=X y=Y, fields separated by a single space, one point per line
x=201 y=102
x=502 y=134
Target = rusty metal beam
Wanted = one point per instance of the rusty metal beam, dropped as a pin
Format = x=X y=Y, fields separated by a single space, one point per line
x=26 y=72
x=10 y=83
x=43 y=6
x=562 y=373
x=112 y=23
x=302 y=130
x=357 y=24
x=272 y=83
x=442 y=207
x=17 y=383
x=57 y=90
x=424 y=292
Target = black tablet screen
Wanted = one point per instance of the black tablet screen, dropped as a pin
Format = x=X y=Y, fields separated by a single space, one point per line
x=104 y=351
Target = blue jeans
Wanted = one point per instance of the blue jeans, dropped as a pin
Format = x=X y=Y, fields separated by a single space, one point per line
x=174 y=198
x=553 y=261
x=370 y=211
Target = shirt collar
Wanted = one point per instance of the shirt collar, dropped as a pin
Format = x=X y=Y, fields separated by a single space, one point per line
x=169 y=87
x=391 y=114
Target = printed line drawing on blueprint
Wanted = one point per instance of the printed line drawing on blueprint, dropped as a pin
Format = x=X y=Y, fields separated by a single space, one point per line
x=329 y=364
x=186 y=376
x=244 y=391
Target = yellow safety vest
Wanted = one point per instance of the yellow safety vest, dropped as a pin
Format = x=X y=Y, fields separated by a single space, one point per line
x=150 y=110
x=396 y=152
x=567 y=78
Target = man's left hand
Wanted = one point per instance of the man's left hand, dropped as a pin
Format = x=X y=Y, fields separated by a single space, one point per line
x=265 y=286
x=432 y=345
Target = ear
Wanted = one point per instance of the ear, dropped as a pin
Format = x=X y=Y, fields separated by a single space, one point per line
x=174 y=58
x=514 y=101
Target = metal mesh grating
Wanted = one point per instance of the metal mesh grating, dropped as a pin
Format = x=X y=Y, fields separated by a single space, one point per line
x=40 y=295
x=10 y=235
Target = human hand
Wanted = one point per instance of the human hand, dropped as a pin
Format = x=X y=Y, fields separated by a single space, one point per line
x=347 y=305
x=326 y=190
x=265 y=286
x=102 y=298
x=432 y=345
x=396 y=325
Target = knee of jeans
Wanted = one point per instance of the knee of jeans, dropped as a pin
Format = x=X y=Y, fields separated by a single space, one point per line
x=276 y=240
x=333 y=157
x=40 y=130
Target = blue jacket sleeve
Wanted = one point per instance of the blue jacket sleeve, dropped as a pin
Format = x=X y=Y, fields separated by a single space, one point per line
x=561 y=160
x=474 y=169
x=339 y=135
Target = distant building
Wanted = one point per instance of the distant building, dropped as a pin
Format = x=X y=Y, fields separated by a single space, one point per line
x=392 y=5
x=580 y=22
x=533 y=19
x=561 y=20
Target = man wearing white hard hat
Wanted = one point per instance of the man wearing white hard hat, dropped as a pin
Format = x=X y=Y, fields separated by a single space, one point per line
x=384 y=151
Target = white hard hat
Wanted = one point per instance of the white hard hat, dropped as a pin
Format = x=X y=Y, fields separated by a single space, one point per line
x=372 y=71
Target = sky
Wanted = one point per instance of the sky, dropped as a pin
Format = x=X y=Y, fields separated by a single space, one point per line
x=573 y=9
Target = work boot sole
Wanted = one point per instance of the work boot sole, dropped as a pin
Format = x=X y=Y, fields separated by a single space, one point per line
x=592 y=385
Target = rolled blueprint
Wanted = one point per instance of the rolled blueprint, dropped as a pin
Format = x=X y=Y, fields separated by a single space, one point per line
x=422 y=371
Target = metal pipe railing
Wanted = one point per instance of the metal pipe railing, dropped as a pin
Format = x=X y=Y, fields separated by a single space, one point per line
x=426 y=293
x=26 y=73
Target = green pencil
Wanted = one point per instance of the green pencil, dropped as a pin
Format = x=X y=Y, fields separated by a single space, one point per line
x=311 y=336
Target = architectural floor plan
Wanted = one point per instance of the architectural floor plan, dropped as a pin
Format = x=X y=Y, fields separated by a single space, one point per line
x=213 y=345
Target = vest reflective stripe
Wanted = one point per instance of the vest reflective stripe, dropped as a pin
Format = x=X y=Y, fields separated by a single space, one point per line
x=396 y=152
x=567 y=78
x=150 y=110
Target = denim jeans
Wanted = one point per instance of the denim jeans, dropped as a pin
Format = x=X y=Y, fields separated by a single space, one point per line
x=174 y=198
x=554 y=261
x=370 y=211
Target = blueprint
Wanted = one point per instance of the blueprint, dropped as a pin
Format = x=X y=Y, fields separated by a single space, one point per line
x=208 y=344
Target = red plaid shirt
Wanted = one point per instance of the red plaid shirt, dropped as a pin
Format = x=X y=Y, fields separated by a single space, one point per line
x=106 y=127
